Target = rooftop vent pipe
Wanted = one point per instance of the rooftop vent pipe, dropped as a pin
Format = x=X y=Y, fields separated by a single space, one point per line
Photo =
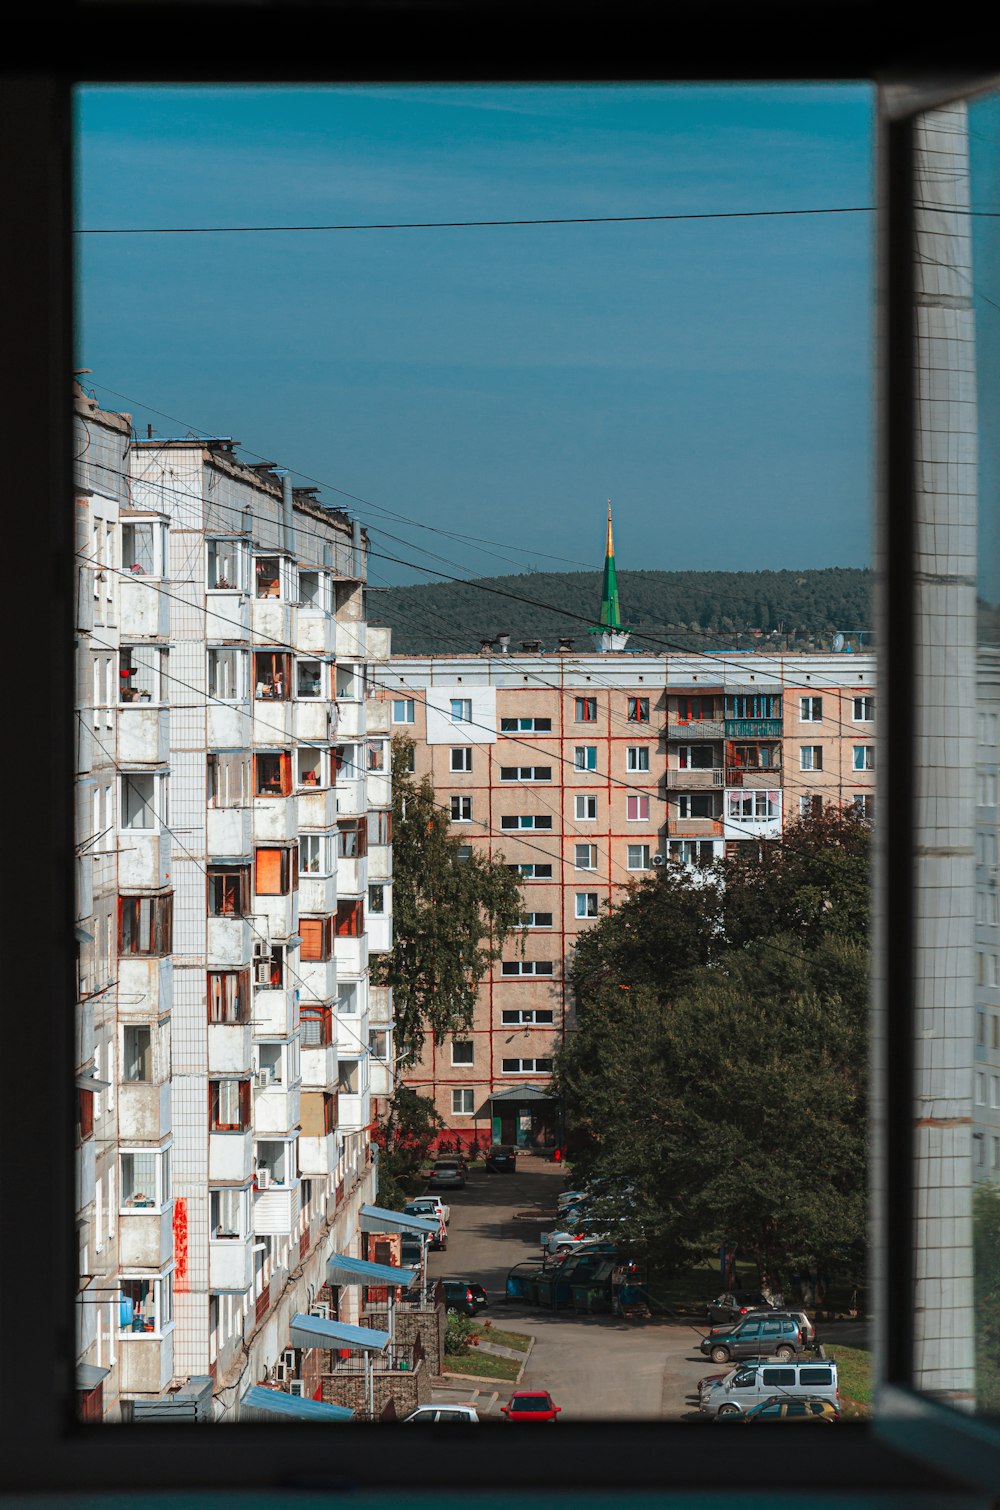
x=287 y=515
x=532 y=647
x=565 y=644
x=503 y=643
x=359 y=563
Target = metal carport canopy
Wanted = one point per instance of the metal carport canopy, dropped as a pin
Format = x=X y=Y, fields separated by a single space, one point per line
x=274 y=1402
x=314 y=1331
x=378 y=1219
x=341 y=1270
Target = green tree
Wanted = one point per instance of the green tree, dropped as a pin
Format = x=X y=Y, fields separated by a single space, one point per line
x=451 y=915
x=986 y=1250
x=718 y=1070
x=404 y=1136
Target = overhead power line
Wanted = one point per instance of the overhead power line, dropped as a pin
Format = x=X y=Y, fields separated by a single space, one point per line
x=458 y=225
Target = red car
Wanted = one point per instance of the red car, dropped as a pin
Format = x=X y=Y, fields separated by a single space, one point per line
x=531 y=1405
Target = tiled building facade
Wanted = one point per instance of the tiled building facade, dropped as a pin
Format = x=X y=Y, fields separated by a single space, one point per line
x=586 y=772
x=234 y=871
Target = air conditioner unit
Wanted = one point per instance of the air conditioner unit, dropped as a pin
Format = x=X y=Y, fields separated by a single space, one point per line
x=264 y=1075
x=280 y=1373
x=289 y=1359
x=262 y=972
x=296 y=1387
x=321 y=1309
x=263 y=1179
x=659 y=859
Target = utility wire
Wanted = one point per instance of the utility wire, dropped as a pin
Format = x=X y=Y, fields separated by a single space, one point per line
x=452 y=225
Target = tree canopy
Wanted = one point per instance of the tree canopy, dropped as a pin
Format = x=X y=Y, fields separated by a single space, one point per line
x=452 y=909
x=717 y=1073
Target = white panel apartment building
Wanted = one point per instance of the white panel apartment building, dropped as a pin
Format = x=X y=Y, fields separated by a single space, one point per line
x=586 y=772
x=234 y=873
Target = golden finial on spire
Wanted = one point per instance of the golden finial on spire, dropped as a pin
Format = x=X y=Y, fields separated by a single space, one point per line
x=609 y=548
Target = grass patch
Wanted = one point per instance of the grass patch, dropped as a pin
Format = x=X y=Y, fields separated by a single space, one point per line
x=486 y=1364
x=854 y=1374
x=690 y=1289
x=520 y=1341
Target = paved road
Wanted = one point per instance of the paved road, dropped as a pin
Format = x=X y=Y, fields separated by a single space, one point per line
x=594 y=1365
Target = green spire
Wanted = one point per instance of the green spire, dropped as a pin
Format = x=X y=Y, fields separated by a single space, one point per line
x=610 y=609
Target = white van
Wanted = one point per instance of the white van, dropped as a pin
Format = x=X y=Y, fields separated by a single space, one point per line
x=750 y=1383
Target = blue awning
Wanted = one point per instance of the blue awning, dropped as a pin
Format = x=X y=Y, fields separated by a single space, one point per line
x=259 y=1401
x=341 y=1270
x=378 y=1219
x=313 y=1331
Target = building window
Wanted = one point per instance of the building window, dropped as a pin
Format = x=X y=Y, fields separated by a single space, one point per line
x=141 y=670
x=269 y=966
x=638 y=710
x=228 y=1214
x=143 y=799
x=995 y=1091
x=315 y=1027
x=695 y=758
x=587 y=904
x=585 y=758
x=980 y=1088
x=309 y=679
x=811 y=758
x=585 y=710
x=638 y=857
x=526 y=1066
x=379 y=827
x=272 y=675
x=228 y=996
x=311 y=766
x=530 y=871
x=525 y=820
x=350 y=919
x=352 y=838
x=273 y=773
x=137 y=1054
x=695 y=805
x=996 y=1153
x=228 y=780
x=463 y=1103
x=376 y=899
x=144 y=548
x=316 y=935
x=585 y=857
x=461 y=759
x=637 y=809
x=463 y=852
x=144 y=1179
x=527 y=1017
x=315 y=855
x=810 y=805
x=226 y=565
x=981 y=1029
x=145 y=925
x=811 y=710
x=402 y=710
x=267 y=576
x=864 y=802
x=698 y=852
x=461 y=710
x=537 y=920
x=276 y=871
x=753 y=806
x=462 y=1052
x=695 y=709
x=525 y=726
x=863 y=758
x=526 y=773
x=753 y=705
x=637 y=758
x=229 y=1105
x=461 y=809
x=864 y=710
x=145 y=1306
x=586 y=808
x=517 y=967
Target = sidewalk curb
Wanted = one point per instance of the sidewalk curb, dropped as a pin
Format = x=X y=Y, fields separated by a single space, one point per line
x=489 y=1378
x=524 y=1365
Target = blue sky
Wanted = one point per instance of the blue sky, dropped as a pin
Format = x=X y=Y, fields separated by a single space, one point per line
x=714 y=378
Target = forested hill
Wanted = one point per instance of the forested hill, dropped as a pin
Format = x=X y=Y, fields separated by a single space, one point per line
x=705 y=610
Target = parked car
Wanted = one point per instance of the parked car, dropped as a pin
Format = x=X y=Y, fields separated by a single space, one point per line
x=531 y=1405
x=561 y=1239
x=778 y=1408
x=447 y=1174
x=439 y=1239
x=570 y=1198
x=430 y=1205
x=732 y=1304
x=465 y=1296
x=806 y=1326
x=753 y=1383
x=501 y=1159
x=443 y=1413
x=777 y=1334
x=411 y=1252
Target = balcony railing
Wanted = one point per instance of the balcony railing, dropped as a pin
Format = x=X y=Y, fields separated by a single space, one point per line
x=754 y=776
x=691 y=781
x=697 y=730
x=754 y=728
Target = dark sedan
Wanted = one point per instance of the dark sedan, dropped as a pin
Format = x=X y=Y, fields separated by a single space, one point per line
x=732 y=1304
x=501 y=1159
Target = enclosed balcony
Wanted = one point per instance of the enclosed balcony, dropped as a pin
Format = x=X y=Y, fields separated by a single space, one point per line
x=230 y=1048
x=271 y=621
x=143 y=734
x=144 y=1108
x=351 y=639
x=379 y=862
x=379 y=929
x=227 y=617
x=229 y=832
x=313 y=631
x=319 y=1065
x=275 y=819
x=228 y=725
x=352 y=800
x=276 y=1194
x=272 y=722
x=143 y=859
x=274 y=1003
x=753 y=814
x=229 y=1156
x=312 y=720
x=277 y=1084
x=318 y=1155
x=378 y=718
x=317 y=807
x=145 y=986
x=145 y=1212
x=230 y=1262
x=317 y=893
x=146 y=1238
x=229 y=941
x=351 y=720
x=143 y=608
x=145 y=1362
x=351 y=954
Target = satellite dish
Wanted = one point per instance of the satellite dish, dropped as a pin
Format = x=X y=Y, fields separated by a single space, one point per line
x=838 y=641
